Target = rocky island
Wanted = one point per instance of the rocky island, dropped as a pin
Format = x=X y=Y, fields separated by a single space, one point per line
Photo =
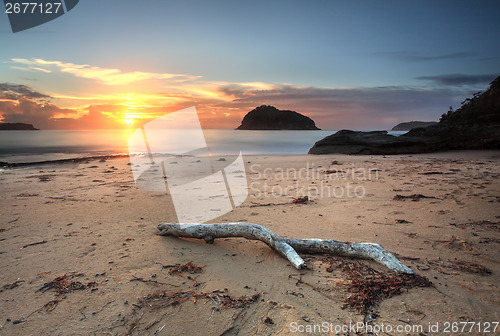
x=268 y=117
x=407 y=126
x=17 y=127
x=475 y=125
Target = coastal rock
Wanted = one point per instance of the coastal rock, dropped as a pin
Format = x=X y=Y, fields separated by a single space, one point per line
x=17 y=127
x=268 y=117
x=406 y=126
x=376 y=142
x=475 y=125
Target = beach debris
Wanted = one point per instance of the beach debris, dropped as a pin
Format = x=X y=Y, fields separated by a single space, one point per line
x=455 y=243
x=268 y=320
x=298 y=200
x=150 y=304
x=51 y=305
x=286 y=247
x=460 y=265
x=367 y=287
x=294 y=293
x=21 y=320
x=438 y=173
x=33 y=244
x=414 y=197
x=226 y=301
x=63 y=284
x=155 y=282
x=43 y=177
x=164 y=299
x=159 y=329
x=189 y=267
x=253 y=205
x=219 y=298
x=480 y=224
x=12 y=285
x=301 y=200
x=24 y=195
x=43 y=273
x=335 y=171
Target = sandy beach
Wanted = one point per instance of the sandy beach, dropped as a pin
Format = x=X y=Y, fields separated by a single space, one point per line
x=80 y=254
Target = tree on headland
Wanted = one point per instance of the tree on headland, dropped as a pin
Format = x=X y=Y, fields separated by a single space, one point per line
x=444 y=116
x=482 y=108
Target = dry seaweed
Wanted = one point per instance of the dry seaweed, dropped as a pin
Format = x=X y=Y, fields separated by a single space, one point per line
x=36 y=243
x=301 y=200
x=12 y=285
x=367 y=287
x=155 y=282
x=164 y=299
x=51 y=305
x=189 y=267
x=414 y=197
x=63 y=284
x=253 y=205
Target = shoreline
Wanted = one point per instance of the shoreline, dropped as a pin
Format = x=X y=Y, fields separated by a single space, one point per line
x=79 y=159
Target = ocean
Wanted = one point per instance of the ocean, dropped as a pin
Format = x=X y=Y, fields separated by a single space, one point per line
x=38 y=146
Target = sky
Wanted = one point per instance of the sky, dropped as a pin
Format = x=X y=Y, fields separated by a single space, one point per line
x=346 y=64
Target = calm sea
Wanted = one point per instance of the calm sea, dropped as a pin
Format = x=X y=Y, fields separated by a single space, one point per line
x=35 y=146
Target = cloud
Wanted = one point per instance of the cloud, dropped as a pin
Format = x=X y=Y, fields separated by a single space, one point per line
x=107 y=76
x=413 y=56
x=459 y=79
x=31 y=112
x=15 y=91
x=20 y=103
x=30 y=69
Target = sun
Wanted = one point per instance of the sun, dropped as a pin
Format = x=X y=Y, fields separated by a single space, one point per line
x=128 y=121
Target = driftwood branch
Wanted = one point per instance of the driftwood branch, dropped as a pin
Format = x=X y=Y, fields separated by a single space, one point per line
x=286 y=247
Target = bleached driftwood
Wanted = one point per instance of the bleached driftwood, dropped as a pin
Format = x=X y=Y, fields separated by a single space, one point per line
x=286 y=247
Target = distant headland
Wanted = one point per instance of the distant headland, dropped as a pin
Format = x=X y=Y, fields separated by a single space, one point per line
x=268 y=117
x=17 y=127
x=408 y=126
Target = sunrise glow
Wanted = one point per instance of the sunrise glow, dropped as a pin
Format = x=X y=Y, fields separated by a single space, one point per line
x=128 y=121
